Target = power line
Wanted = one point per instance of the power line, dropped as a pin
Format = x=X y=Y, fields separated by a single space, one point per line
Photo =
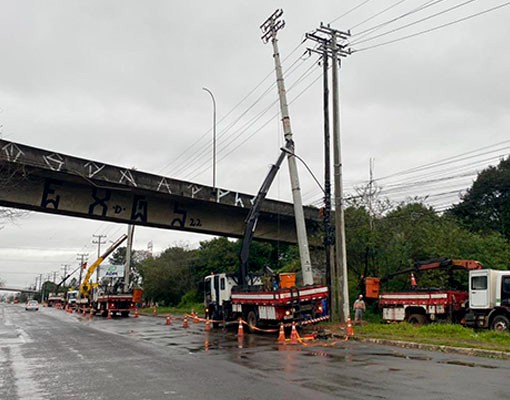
x=413 y=23
x=433 y=29
x=234 y=139
x=350 y=11
x=377 y=14
x=366 y=32
x=205 y=134
x=222 y=136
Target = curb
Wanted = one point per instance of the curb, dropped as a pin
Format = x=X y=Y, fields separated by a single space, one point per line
x=443 y=349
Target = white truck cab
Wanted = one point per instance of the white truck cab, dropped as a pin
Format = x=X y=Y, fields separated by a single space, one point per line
x=218 y=289
x=489 y=288
x=489 y=299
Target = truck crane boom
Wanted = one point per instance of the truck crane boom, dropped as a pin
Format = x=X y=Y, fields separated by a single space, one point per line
x=372 y=285
x=253 y=216
x=85 y=286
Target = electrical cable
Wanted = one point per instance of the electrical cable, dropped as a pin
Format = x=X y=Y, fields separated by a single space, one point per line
x=350 y=11
x=366 y=32
x=355 y=42
x=243 y=130
x=377 y=14
x=432 y=29
x=206 y=134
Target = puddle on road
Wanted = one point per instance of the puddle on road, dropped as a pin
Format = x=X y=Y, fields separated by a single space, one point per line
x=404 y=356
x=467 y=364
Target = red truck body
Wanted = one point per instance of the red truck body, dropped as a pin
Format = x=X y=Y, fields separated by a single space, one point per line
x=433 y=304
x=279 y=305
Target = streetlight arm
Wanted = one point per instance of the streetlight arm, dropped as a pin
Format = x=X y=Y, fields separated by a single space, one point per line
x=214 y=136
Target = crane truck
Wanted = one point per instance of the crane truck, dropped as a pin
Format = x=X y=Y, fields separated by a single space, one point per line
x=486 y=304
x=105 y=299
x=229 y=297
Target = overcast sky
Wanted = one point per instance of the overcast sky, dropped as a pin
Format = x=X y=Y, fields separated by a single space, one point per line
x=121 y=82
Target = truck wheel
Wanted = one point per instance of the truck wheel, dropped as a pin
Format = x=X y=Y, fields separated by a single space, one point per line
x=252 y=320
x=500 y=323
x=417 y=319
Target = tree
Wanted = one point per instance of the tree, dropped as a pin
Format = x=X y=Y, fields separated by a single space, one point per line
x=8 y=176
x=168 y=277
x=486 y=205
x=415 y=232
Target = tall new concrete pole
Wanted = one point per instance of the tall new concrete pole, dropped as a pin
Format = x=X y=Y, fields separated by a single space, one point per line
x=341 y=254
x=127 y=267
x=304 y=253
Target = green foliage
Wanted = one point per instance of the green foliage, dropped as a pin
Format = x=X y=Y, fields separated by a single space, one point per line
x=190 y=298
x=167 y=277
x=485 y=207
x=175 y=276
x=376 y=246
x=414 y=232
x=216 y=256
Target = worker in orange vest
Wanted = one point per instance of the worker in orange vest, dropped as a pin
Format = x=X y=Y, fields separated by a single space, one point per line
x=359 y=309
x=413 y=281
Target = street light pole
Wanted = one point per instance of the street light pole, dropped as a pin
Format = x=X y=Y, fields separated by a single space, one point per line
x=214 y=137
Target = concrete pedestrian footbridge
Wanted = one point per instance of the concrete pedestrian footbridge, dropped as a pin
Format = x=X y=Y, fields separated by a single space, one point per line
x=50 y=182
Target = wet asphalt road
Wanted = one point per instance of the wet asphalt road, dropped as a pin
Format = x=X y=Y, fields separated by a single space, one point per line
x=50 y=354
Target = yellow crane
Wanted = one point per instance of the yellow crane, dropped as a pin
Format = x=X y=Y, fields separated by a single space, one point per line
x=85 y=285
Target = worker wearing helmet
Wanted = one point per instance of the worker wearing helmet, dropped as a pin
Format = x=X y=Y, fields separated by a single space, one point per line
x=359 y=309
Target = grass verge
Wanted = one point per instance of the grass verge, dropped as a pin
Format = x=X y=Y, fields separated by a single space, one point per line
x=437 y=334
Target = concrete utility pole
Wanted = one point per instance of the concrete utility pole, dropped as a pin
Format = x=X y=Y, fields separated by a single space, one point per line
x=65 y=267
x=269 y=29
x=81 y=258
x=99 y=242
x=127 y=268
x=333 y=45
x=328 y=229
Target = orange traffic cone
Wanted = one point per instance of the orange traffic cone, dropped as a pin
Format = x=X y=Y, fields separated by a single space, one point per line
x=185 y=323
x=281 y=335
x=136 y=313
x=109 y=315
x=207 y=325
x=293 y=334
x=350 y=329
x=91 y=315
x=240 y=330
x=83 y=313
x=168 y=320
x=154 y=311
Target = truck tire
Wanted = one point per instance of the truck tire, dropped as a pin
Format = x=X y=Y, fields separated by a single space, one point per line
x=252 y=320
x=500 y=323
x=417 y=319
